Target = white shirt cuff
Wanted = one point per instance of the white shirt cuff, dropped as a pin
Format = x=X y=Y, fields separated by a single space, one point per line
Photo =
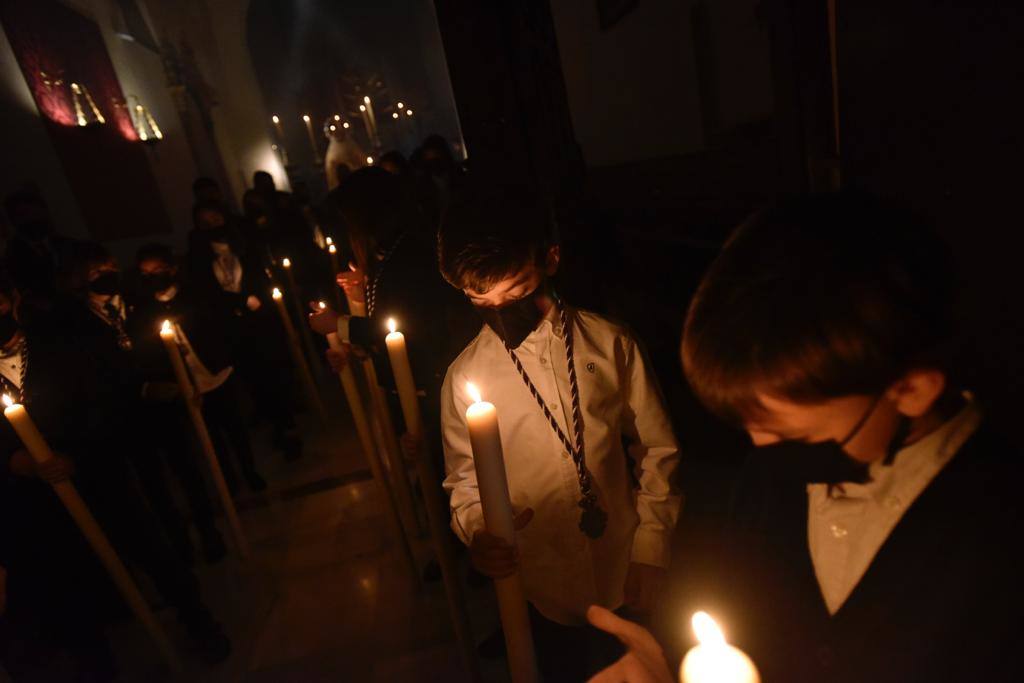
x=343 y=328
x=467 y=522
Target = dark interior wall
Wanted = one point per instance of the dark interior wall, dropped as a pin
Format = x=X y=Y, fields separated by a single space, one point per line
x=931 y=111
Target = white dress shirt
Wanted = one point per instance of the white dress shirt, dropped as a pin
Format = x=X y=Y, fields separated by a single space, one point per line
x=563 y=571
x=847 y=525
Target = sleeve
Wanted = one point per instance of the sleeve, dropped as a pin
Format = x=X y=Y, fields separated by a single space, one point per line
x=460 y=479
x=653 y=446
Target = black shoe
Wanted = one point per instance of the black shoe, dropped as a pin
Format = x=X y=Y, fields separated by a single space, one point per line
x=214 y=549
x=493 y=646
x=255 y=481
x=207 y=635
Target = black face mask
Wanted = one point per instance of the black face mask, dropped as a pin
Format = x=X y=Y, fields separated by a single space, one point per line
x=8 y=328
x=514 y=321
x=107 y=284
x=826 y=462
x=157 y=282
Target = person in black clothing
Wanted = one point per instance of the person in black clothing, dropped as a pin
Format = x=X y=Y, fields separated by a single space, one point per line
x=97 y=318
x=205 y=345
x=35 y=253
x=206 y=189
x=228 y=277
x=873 y=528
x=81 y=417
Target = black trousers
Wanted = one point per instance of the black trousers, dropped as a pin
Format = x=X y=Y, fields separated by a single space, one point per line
x=567 y=654
x=228 y=431
x=265 y=368
x=166 y=444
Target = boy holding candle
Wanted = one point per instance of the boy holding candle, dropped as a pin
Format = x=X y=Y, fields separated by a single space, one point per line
x=875 y=529
x=575 y=402
x=55 y=579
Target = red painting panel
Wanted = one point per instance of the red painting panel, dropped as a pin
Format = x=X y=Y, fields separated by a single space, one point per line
x=105 y=163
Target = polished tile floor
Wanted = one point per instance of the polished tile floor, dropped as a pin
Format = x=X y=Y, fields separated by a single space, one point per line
x=325 y=595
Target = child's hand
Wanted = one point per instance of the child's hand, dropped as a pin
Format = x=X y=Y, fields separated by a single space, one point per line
x=353 y=282
x=492 y=556
x=322 y=320
x=644 y=661
x=56 y=469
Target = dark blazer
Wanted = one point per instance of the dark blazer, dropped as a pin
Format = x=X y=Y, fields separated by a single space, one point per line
x=436 y=319
x=204 y=327
x=940 y=602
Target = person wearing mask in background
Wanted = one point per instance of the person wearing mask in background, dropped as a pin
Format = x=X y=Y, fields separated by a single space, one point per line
x=227 y=276
x=578 y=406
x=55 y=580
x=96 y=317
x=203 y=339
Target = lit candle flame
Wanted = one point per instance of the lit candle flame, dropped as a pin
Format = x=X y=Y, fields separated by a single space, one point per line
x=707 y=631
x=329 y=239
x=408 y=112
x=8 y=401
x=401 y=105
x=345 y=125
x=322 y=305
x=286 y=262
x=276 y=293
x=366 y=98
x=473 y=392
x=392 y=325
x=394 y=115
x=275 y=118
x=333 y=128
x=332 y=249
x=337 y=117
x=369 y=161
x=362 y=107
x=166 y=328
x=305 y=117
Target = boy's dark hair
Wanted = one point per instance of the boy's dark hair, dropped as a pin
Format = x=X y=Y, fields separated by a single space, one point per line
x=84 y=257
x=154 y=251
x=487 y=236
x=815 y=298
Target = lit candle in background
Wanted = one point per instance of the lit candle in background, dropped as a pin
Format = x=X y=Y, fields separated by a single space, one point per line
x=40 y=451
x=489 y=461
x=312 y=138
x=401 y=105
x=294 y=345
x=713 y=660
x=369 y=161
x=345 y=125
x=280 y=138
x=332 y=251
x=372 y=117
x=401 y=369
x=366 y=122
x=169 y=336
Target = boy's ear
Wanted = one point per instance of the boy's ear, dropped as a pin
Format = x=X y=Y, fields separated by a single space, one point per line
x=916 y=392
x=554 y=255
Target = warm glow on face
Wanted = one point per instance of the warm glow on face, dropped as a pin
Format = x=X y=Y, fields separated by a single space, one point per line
x=332 y=249
x=286 y=262
x=305 y=117
x=8 y=401
x=473 y=392
x=392 y=325
x=165 y=327
x=707 y=630
x=276 y=294
x=275 y=119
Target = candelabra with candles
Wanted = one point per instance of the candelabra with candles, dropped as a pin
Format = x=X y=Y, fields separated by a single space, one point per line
x=145 y=125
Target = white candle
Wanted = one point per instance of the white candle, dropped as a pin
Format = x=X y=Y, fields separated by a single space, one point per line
x=489 y=461
x=402 y=370
x=333 y=252
x=40 y=451
x=312 y=138
x=301 y=366
x=714 y=660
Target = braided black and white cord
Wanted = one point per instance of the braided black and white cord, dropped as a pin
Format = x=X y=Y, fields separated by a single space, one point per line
x=371 y=290
x=593 y=520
